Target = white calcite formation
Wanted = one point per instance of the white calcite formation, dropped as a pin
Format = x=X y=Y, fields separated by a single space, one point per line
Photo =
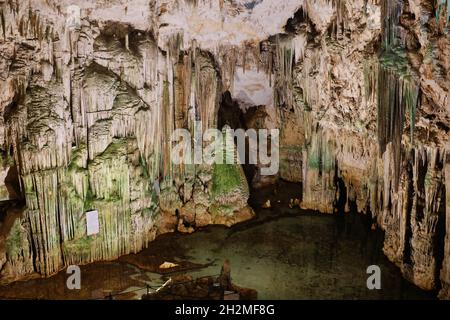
x=360 y=91
x=88 y=108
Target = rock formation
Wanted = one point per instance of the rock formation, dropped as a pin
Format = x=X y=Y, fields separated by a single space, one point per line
x=87 y=115
x=90 y=93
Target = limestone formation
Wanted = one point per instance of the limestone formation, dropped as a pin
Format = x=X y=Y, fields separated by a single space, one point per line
x=360 y=91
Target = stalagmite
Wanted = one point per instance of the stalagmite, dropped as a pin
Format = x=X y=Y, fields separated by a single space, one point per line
x=89 y=103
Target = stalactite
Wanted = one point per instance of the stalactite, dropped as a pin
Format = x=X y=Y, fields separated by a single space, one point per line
x=311 y=92
x=60 y=185
x=424 y=219
x=445 y=273
x=440 y=5
x=3 y=24
x=284 y=59
x=371 y=74
x=390 y=13
x=175 y=45
x=318 y=172
x=401 y=95
x=340 y=24
x=117 y=106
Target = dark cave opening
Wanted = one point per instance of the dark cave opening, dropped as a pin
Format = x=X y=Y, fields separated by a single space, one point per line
x=409 y=206
x=186 y=224
x=421 y=172
x=12 y=180
x=439 y=241
x=232 y=115
x=340 y=200
x=12 y=183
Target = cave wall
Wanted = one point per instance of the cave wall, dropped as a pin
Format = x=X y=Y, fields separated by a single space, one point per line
x=88 y=111
x=372 y=97
x=359 y=90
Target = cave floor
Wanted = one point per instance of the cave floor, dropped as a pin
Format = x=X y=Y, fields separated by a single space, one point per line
x=283 y=253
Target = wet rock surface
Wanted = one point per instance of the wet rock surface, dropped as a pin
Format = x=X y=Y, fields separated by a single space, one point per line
x=283 y=254
x=89 y=98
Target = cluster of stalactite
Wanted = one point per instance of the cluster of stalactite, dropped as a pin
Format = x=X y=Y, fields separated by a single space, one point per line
x=442 y=9
x=318 y=172
x=190 y=195
x=341 y=170
x=398 y=87
x=412 y=198
x=396 y=97
x=73 y=136
x=89 y=122
x=249 y=55
x=413 y=216
x=445 y=272
x=392 y=173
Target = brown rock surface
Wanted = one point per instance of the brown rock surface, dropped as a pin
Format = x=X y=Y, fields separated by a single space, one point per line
x=360 y=91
